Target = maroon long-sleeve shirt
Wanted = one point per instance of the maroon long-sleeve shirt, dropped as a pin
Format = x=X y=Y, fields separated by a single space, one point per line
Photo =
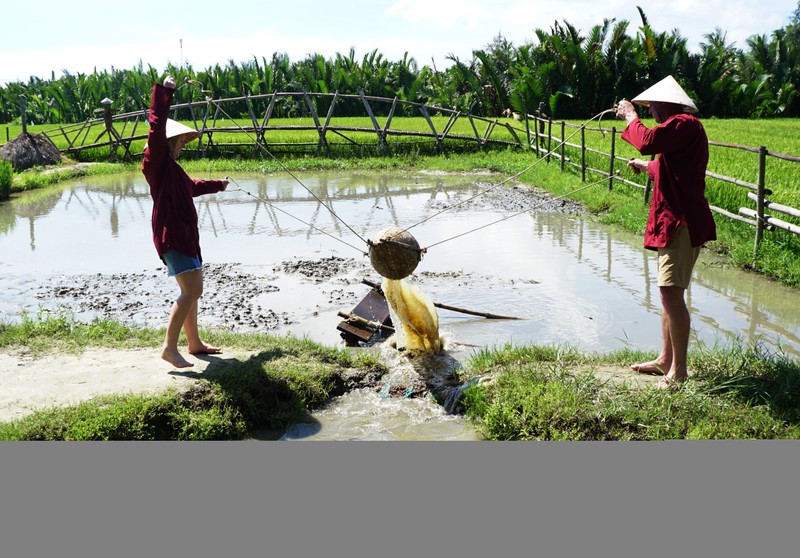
x=678 y=175
x=174 y=216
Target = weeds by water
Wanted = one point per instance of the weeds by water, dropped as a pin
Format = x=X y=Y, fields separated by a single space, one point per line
x=49 y=332
x=551 y=393
x=536 y=392
x=284 y=378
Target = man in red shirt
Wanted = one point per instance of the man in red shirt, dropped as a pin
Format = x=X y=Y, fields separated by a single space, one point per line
x=680 y=219
x=175 y=230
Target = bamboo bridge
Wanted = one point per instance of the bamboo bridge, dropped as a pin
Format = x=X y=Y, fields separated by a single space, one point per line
x=220 y=134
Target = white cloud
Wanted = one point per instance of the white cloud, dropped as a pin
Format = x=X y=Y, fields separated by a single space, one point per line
x=428 y=30
x=445 y=14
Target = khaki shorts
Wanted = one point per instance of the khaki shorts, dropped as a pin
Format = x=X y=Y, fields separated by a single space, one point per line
x=676 y=260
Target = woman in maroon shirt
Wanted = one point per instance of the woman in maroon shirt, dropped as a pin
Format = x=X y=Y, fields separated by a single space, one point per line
x=175 y=231
x=680 y=219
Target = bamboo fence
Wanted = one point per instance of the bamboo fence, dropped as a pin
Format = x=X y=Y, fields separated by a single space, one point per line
x=117 y=133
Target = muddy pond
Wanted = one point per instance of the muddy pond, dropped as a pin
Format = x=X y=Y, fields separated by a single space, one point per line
x=279 y=261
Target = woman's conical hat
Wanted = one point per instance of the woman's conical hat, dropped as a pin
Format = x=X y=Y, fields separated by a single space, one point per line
x=666 y=91
x=175 y=129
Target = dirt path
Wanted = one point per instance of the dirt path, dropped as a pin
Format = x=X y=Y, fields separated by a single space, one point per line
x=28 y=384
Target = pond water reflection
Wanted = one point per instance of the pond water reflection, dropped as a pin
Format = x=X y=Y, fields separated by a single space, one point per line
x=574 y=281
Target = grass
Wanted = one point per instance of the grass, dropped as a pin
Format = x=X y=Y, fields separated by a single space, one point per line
x=46 y=332
x=538 y=392
x=283 y=379
x=6 y=179
x=551 y=393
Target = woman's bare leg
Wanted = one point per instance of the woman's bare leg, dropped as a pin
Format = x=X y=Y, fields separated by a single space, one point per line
x=191 y=285
x=195 y=344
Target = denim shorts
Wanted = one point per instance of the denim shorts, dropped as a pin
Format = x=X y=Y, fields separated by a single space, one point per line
x=178 y=263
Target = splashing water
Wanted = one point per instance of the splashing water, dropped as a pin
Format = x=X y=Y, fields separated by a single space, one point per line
x=415 y=311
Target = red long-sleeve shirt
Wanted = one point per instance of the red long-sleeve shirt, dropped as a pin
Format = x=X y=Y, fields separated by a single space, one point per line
x=174 y=216
x=678 y=175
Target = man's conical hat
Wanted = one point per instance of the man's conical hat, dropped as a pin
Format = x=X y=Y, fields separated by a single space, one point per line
x=666 y=91
x=175 y=129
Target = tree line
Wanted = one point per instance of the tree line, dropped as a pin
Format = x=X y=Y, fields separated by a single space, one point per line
x=564 y=71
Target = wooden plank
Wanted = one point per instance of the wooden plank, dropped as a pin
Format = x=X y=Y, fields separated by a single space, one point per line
x=771 y=221
x=369 y=316
x=781 y=224
x=456 y=309
x=424 y=112
x=388 y=123
x=375 y=125
x=322 y=141
x=724 y=178
x=744 y=211
x=480 y=140
x=785 y=209
x=514 y=134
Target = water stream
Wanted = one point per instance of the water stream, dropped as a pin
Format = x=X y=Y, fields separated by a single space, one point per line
x=573 y=281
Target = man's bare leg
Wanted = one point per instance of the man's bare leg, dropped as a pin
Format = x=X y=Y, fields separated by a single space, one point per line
x=663 y=361
x=679 y=323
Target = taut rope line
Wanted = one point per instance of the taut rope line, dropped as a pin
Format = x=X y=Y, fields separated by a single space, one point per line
x=520 y=173
x=425 y=249
x=266 y=201
x=268 y=152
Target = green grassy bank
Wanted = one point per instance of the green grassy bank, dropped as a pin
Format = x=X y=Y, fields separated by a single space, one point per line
x=283 y=379
x=532 y=392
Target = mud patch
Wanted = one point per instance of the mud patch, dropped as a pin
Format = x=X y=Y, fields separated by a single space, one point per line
x=233 y=299
x=518 y=198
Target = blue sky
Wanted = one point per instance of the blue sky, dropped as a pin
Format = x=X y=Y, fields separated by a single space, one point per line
x=82 y=35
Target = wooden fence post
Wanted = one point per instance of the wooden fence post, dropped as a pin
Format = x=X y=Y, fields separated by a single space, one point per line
x=583 y=153
x=527 y=129
x=762 y=172
x=563 y=141
x=613 y=154
x=549 y=137
x=23 y=101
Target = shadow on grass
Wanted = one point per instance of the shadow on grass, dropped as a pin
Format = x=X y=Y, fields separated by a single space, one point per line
x=274 y=389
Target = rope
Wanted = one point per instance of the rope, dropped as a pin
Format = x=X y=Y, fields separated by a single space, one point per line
x=523 y=171
x=209 y=100
x=266 y=201
x=514 y=214
x=597 y=117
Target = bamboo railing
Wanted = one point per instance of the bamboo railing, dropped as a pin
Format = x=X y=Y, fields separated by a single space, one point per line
x=537 y=135
x=760 y=218
x=207 y=117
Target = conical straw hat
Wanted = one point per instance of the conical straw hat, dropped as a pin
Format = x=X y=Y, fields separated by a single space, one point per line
x=666 y=91
x=175 y=128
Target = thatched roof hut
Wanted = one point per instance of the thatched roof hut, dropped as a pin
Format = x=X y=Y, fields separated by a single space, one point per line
x=28 y=150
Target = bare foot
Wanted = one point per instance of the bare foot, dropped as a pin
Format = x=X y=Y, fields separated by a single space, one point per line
x=652 y=367
x=204 y=349
x=175 y=358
